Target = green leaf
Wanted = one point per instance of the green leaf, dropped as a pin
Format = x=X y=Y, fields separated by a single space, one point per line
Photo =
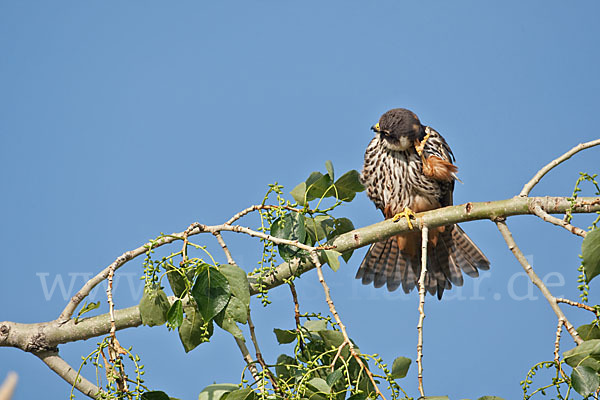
x=290 y=227
x=285 y=336
x=332 y=338
x=154 y=307
x=316 y=325
x=333 y=377
x=329 y=167
x=400 y=367
x=237 y=310
x=194 y=330
x=211 y=292
x=348 y=185
x=176 y=279
x=155 y=395
x=340 y=226
x=319 y=187
x=346 y=255
x=358 y=396
x=589 y=332
x=86 y=308
x=241 y=394
x=365 y=384
x=490 y=398
x=332 y=258
x=318 y=385
x=590 y=250
x=298 y=193
x=319 y=227
x=285 y=366
x=585 y=380
x=238 y=282
x=214 y=392
x=586 y=354
x=175 y=314
x=234 y=311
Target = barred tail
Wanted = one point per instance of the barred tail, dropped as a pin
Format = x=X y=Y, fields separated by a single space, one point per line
x=454 y=253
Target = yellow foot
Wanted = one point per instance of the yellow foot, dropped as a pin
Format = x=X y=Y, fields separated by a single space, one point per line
x=420 y=146
x=407 y=213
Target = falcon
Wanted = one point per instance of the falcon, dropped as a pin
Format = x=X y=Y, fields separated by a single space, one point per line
x=409 y=169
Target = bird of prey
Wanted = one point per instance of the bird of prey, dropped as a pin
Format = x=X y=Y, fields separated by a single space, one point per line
x=409 y=169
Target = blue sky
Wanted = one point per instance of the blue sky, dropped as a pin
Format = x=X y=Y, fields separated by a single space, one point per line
x=121 y=120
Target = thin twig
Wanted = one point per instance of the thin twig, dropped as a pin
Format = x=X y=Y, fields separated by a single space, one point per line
x=184 y=253
x=296 y=312
x=561 y=322
x=537 y=210
x=8 y=386
x=120 y=261
x=253 y=233
x=261 y=207
x=296 y=304
x=240 y=342
x=111 y=304
x=65 y=371
x=317 y=263
x=114 y=347
x=259 y=356
x=248 y=358
x=576 y=304
x=424 y=242
x=230 y=259
x=540 y=174
x=512 y=245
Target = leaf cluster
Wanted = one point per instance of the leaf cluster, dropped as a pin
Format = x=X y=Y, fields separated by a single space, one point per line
x=204 y=294
x=322 y=366
x=316 y=226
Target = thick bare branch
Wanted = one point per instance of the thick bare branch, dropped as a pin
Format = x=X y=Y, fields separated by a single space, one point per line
x=540 y=174
x=46 y=335
x=442 y=216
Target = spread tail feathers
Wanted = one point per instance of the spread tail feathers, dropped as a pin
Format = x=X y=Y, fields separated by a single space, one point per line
x=454 y=253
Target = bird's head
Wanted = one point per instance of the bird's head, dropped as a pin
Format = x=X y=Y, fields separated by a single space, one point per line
x=398 y=129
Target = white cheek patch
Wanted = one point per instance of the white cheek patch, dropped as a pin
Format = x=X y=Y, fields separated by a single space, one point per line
x=401 y=145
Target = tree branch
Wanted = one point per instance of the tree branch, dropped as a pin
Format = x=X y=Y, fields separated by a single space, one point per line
x=442 y=216
x=8 y=386
x=65 y=371
x=512 y=245
x=47 y=335
x=537 y=210
x=540 y=174
x=424 y=242
x=338 y=320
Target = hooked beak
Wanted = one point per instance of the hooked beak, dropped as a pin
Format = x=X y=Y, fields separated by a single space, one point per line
x=376 y=128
